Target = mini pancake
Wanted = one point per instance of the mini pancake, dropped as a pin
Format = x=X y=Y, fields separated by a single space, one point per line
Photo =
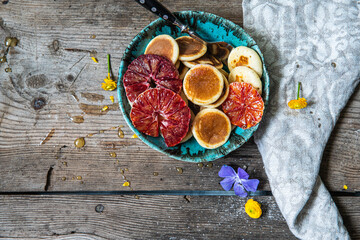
x=225 y=73
x=244 y=56
x=245 y=74
x=211 y=128
x=182 y=70
x=203 y=84
x=183 y=96
x=220 y=50
x=206 y=59
x=223 y=96
x=164 y=45
x=189 y=133
x=190 y=49
x=177 y=64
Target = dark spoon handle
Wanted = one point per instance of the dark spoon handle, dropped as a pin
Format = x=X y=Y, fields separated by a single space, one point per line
x=158 y=9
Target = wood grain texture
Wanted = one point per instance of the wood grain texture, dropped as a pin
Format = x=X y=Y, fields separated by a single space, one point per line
x=42 y=67
x=149 y=217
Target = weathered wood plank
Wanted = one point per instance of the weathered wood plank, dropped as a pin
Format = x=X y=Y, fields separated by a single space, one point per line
x=43 y=68
x=341 y=159
x=149 y=217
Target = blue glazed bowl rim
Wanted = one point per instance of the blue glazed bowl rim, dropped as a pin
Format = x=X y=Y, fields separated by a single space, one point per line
x=227 y=24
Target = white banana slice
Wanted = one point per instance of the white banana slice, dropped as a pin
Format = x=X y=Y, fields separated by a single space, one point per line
x=164 y=45
x=244 y=56
x=245 y=74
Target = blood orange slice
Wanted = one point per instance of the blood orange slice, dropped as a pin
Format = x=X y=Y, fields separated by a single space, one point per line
x=244 y=105
x=150 y=69
x=161 y=109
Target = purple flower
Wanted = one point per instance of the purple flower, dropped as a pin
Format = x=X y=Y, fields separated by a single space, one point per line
x=240 y=181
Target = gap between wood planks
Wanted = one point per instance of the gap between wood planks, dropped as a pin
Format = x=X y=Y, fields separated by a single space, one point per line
x=162 y=192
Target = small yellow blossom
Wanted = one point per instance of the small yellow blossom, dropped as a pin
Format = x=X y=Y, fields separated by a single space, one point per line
x=345 y=187
x=94 y=59
x=126 y=184
x=297 y=103
x=112 y=98
x=104 y=108
x=109 y=84
x=134 y=136
x=253 y=208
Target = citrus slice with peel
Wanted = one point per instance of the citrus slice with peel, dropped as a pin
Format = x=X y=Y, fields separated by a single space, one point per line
x=244 y=105
x=161 y=110
x=148 y=71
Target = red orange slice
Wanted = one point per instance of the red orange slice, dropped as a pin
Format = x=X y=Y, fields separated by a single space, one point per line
x=160 y=109
x=244 y=105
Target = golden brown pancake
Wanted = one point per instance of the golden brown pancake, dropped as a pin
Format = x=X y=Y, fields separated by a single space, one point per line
x=203 y=84
x=226 y=74
x=182 y=70
x=205 y=59
x=190 y=49
x=223 y=96
x=211 y=128
x=177 y=64
x=183 y=96
x=189 y=133
x=164 y=45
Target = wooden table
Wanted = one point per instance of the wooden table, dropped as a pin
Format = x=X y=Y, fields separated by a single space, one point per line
x=55 y=191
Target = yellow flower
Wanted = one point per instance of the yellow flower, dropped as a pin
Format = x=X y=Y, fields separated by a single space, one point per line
x=126 y=184
x=345 y=187
x=109 y=84
x=297 y=103
x=253 y=208
x=112 y=98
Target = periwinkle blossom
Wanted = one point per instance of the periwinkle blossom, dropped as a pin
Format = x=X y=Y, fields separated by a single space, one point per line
x=240 y=180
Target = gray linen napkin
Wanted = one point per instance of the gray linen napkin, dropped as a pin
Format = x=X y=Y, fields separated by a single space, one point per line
x=318 y=43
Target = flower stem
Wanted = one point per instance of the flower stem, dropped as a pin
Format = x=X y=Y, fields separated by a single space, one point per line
x=108 y=62
x=298 y=93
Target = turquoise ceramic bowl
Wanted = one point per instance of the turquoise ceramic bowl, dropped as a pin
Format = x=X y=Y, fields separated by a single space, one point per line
x=211 y=28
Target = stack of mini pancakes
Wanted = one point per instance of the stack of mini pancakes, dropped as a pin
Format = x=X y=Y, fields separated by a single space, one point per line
x=206 y=83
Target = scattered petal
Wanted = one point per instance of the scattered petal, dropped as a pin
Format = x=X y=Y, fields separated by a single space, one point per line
x=126 y=184
x=112 y=98
x=242 y=174
x=134 y=136
x=105 y=108
x=345 y=187
x=227 y=171
x=94 y=59
x=227 y=183
x=253 y=208
x=239 y=190
x=250 y=184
